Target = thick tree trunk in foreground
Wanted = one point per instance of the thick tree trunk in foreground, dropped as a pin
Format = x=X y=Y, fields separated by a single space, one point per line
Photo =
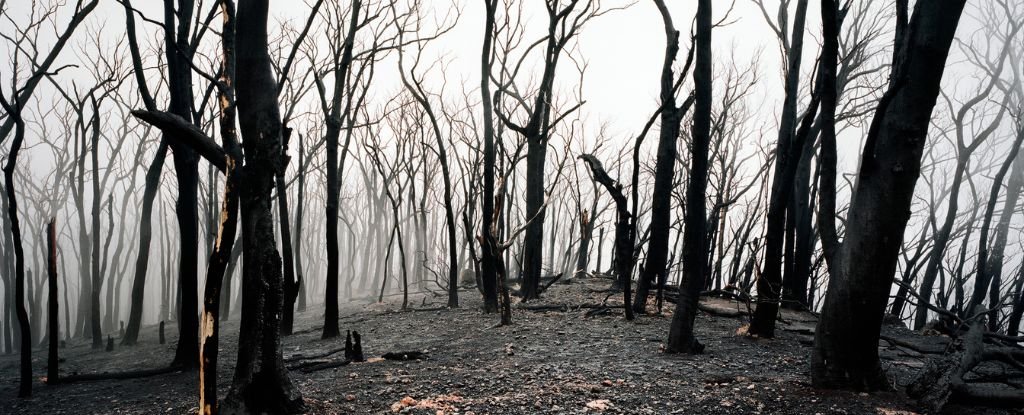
x=261 y=382
x=209 y=338
x=681 y=337
x=186 y=165
x=846 y=340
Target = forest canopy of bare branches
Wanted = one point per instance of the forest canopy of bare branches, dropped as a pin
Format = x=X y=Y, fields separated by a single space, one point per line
x=253 y=180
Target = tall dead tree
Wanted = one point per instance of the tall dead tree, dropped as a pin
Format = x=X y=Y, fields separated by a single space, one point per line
x=152 y=185
x=788 y=151
x=341 y=68
x=52 y=315
x=13 y=110
x=488 y=241
x=846 y=339
x=261 y=383
x=564 y=23
x=681 y=337
x=664 y=172
x=414 y=85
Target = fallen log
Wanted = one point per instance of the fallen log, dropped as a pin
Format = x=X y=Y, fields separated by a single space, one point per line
x=134 y=374
x=720 y=312
x=944 y=378
x=313 y=366
x=404 y=356
x=917 y=347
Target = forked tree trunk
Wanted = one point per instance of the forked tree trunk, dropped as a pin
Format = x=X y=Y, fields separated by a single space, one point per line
x=25 y=344
x=664 y=175
x=488 y=249
x=261 y=382
x=681 y=336
x=788 y=152
x=332 y=135
x=846 y=340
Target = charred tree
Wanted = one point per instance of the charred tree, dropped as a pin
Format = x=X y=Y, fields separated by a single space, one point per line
x=52 y=314
x=846 y=340
x=332 y=135
x=788 y=151
x=623 y=227
x=152 y=185
x=664 y=174
x=681 y=337
x=13 y=110
x=488 y=241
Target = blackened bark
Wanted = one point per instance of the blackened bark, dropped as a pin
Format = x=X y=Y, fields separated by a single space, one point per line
x=152 y=184
x=186 y=166
x=623 y=242
x=220 y=257
x=990 y=264
x=681 y=337
x=794 y=286
x=52 y=313
x=332 y=135
x=97 y=279
x=533 y=238
x=788 y=151
x=846 y=339
x=664 y=174
x=299 y=211
x=261 y=382
x=25 y=345
x=291 y=284
x=488 y=241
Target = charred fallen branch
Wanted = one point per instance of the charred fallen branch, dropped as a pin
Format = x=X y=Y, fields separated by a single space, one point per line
x=964 y=374
x=133 y=374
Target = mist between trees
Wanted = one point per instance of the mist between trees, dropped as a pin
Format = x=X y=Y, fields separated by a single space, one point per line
x=213 y=162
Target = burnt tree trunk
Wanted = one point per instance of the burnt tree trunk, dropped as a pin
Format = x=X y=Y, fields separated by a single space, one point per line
x=990 y=264
x=788 y=151
x=25 y=345
x=846 y=340
x=681 y=337
x=291 y=284
x=333 y=133
x=52 y=312
x=97 y=279
x=261 y=382
x=227 y=228
x=488 y=241
x=623 y=242
x=186 y=165
x=664 y=175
